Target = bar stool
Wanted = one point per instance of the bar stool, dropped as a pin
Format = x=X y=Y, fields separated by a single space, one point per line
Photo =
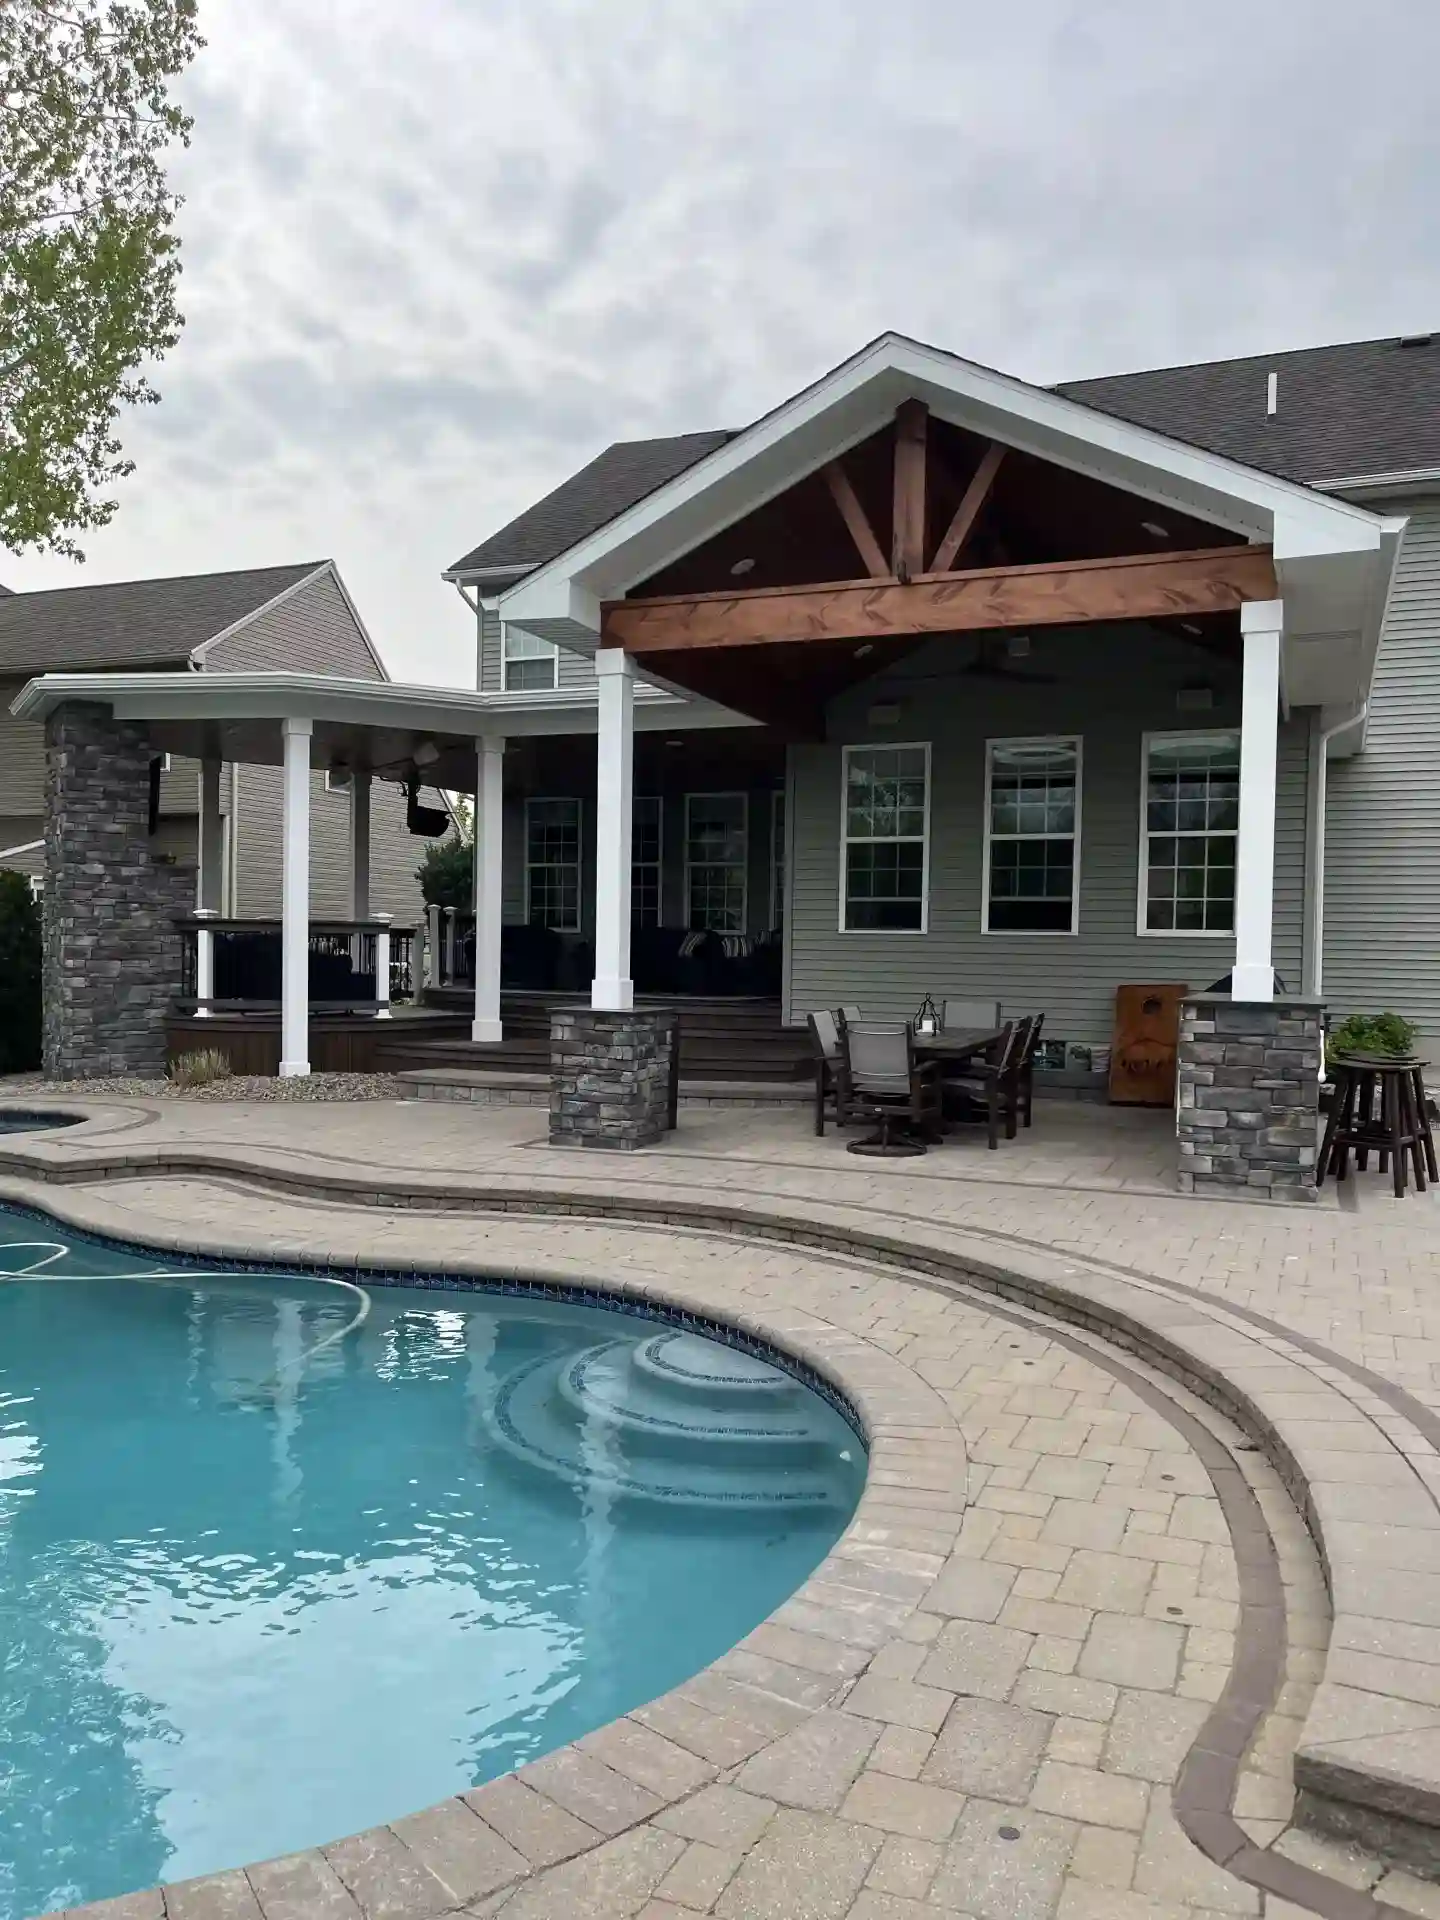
x=1379 y=1107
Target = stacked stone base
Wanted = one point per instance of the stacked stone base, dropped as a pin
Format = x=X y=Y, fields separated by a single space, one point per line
x=610 y=1078
x=1247 y=1116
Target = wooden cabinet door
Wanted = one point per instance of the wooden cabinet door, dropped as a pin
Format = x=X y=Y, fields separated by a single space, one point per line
x=1147 y=1036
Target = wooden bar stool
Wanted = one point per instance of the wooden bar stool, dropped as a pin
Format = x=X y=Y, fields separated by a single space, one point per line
x=1378 y=1107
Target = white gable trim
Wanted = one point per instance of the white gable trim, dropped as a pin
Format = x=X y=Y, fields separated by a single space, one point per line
x=858 y=399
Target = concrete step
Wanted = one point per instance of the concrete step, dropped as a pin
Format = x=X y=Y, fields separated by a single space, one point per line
x=500 y=1087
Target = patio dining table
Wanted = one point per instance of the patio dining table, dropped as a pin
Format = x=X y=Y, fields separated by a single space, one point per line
x=955 y=1045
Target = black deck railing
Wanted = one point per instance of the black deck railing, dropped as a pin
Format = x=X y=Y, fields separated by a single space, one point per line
x=245 y=965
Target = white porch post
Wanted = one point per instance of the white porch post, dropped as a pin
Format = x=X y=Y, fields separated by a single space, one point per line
x=382 y=967
x=612 y=990
x=295 y=903
x=359 y=846
x=212 y=839
x=204 y=962
x=432 y=945
x=1261 y=624
x=489 y=856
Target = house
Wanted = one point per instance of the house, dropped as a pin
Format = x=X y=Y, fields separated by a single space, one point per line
x=956 y=684
x=282 y=619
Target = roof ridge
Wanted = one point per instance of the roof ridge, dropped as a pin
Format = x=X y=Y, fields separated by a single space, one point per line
x=298 y=567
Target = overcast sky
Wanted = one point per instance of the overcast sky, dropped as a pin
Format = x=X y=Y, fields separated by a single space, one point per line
x=439 y=253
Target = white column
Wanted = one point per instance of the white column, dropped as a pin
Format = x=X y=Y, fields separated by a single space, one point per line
x=613 y=990
x=295 y=903
x=1261 y=624
x=432 y=945
x=489 y=856
x=212 y=839
x=359 y=846
x=204 y=961
x=382 y=967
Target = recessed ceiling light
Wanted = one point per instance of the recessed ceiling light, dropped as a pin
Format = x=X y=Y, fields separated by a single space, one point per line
x=860 y=652
x=674 y=743
x=1154 y=529
x=742 y=567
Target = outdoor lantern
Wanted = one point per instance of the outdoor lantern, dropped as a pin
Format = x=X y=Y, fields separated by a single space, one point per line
x=927 y=1020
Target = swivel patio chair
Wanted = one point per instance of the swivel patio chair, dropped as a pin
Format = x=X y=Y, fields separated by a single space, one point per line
x=901 y=1095
x=992 y=1083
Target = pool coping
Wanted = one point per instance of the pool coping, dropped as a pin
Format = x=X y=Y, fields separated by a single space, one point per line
x=1357 y=1783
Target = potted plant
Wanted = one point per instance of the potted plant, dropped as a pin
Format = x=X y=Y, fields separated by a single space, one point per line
x=1371 y=1039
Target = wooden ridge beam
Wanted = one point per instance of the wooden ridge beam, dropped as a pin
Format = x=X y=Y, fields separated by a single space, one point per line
x=1061 y=593
x=968 y=511
x=857 y=520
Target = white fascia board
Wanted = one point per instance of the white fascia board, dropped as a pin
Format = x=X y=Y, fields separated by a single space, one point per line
x=529 y=717
x=261 y=696
x=859 y=398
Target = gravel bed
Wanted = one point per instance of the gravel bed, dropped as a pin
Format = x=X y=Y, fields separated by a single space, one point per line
x=314 y=1086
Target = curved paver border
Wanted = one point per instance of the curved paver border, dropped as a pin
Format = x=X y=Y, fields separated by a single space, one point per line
x=1263 y=1376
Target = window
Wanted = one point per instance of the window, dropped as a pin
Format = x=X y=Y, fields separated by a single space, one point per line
x=1187 y=846
x=552 y=864
x=528 y=664
x=777 y=860
x=645 y=844
x=716 y=851
x=885 y=839
x=1032 y=833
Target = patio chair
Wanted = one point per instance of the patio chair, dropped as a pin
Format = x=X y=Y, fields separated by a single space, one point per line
x=994 y=1081
x=1027 y=1068
x=970 y=1013
x=832 y=1072
x=890 y=1087
x=847 y=1017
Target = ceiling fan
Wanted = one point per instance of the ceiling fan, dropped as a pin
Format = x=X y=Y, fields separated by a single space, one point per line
x=995 y=659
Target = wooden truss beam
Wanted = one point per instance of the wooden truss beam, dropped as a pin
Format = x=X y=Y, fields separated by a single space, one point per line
x=907 y=544
x=1064 y=593
x=857 y=520
x=968 y=511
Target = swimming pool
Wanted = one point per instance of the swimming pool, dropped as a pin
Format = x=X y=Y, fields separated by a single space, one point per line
x=281 y=1558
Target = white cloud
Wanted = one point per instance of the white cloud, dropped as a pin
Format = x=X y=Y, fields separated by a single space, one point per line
x=437 y=256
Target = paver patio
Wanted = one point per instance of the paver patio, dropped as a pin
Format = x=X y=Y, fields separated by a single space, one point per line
x=994 y=1699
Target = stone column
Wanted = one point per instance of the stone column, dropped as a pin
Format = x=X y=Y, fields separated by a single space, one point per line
x=609 y=1077
x=111 y=948
x=1247 y=1111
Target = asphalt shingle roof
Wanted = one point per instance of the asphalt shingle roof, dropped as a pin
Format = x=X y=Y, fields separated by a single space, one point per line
x=132 y=623
x=1366 y=408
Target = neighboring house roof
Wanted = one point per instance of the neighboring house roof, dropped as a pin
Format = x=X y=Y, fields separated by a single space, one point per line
x=1360 y=410
x=134 y=623
x=613 y=481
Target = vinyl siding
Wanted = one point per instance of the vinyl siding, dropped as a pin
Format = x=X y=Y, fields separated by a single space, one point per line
x=1382 y=864
x=18 y=830
x=22 y=758
x=313 y=631
x=394 y=852
x=577 y=670
x=1113 y=687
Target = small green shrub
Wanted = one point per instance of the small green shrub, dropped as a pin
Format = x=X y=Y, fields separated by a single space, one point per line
x=447 y=873
x=1384 y=1034
x=20 y=1022
x=199 y=1069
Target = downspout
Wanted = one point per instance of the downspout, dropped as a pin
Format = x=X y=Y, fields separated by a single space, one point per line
x=234 y=839
x=474 y=606
x=1314 y=931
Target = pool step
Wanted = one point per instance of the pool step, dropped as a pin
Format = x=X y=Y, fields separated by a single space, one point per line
x=678 y=1420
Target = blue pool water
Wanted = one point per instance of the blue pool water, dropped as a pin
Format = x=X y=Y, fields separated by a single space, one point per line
x=268 y=1576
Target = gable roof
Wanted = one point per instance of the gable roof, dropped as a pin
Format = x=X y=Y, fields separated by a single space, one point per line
x=133 y=623
x=1367 y=408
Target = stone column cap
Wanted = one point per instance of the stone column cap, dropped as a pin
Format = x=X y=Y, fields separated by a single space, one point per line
x=1283 y=1002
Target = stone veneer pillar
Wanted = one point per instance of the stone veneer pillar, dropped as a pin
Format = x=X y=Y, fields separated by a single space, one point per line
x=111 y=949
x=609 y=1077
x=1247 y=1113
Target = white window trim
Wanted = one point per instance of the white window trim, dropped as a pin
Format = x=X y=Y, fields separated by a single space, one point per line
x=572 y=800
x=744 y=800
x=1076 y=741
x=1142 y=894
x=533 y=641
x=779 y=871
x=658 y=862
x=338 y=780
x=884 y=746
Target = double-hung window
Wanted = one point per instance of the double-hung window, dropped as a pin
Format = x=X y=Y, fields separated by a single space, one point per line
x=1191 y=821
x=1032 y=836
x=527 y=663
x=645 y=846
x=552 y=864
x=885 y=839
x=717 y=851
